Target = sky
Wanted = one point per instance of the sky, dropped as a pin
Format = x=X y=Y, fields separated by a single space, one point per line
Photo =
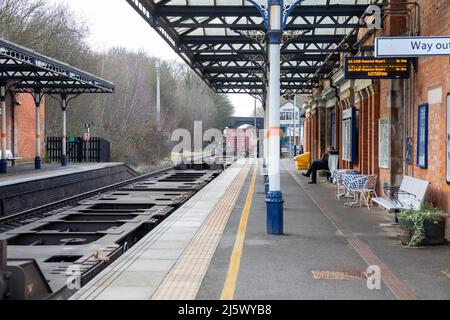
x=115 y=23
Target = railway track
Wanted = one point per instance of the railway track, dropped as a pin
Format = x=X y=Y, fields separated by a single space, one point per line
x=91 y=230
x=17 y=220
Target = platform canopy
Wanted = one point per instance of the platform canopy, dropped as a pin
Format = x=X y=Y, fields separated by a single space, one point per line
x=224 y=41
x=28 y=71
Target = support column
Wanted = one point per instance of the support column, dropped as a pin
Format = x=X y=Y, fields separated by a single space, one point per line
x=3 y=161
x=266 y=128
x=64 y=133
x=266 y=142
x=274 y=199
x=294 y=145
x=37 y=101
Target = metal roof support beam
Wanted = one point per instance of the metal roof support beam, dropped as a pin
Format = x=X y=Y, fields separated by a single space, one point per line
x=214 y=37
x=251 y=11
x=240 y=40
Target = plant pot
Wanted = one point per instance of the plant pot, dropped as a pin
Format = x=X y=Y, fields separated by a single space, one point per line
x=434 y=232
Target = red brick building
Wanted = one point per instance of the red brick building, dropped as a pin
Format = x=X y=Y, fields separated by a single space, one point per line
x=386 y=111
x=21 y=126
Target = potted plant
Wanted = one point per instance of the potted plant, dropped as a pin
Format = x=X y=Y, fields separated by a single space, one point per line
x=422 y=227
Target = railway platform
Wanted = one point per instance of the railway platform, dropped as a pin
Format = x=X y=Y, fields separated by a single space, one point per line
x=26 y=172
x=24 y=188
x=216 y=246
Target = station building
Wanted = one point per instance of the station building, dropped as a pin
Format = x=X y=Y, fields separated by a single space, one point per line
x=375 y=122
x=21 y=126
x=291 y=121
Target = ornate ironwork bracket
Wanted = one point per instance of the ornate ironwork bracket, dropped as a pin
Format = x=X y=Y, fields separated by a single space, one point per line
x=264 y=10
x=290 y=35
x=256 y=35
x=286 y=11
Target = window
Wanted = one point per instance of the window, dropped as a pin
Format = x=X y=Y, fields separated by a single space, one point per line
x=422 y=137
x=384 y=143
x=349 y=136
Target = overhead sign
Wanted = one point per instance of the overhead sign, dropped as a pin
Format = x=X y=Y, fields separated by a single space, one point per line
x=376 y=68
x=412 y=46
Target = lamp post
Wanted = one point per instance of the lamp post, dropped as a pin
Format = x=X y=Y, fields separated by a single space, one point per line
x=158 y=92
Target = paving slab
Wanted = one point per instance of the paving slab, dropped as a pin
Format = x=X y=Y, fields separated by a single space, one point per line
x=159 y=250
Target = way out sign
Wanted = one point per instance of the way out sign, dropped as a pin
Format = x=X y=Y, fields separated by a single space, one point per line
x=412 y=46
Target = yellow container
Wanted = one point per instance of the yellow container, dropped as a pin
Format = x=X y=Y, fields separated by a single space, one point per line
x=303 y=161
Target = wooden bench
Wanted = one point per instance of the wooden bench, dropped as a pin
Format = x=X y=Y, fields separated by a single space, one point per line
x=410 y=195
x=10 y=157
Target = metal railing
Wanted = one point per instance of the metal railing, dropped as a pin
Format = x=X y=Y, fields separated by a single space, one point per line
x=79 y=150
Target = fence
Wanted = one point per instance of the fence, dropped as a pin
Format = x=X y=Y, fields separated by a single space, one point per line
x=78 y=150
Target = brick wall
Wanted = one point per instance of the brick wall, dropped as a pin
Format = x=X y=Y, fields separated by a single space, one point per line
x=21 y=134
x=431 y=81
x=398 y=100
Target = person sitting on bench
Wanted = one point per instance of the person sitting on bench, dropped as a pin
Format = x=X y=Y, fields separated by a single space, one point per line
x=317 y=165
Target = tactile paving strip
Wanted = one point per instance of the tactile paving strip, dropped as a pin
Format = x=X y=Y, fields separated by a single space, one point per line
x=185 y=278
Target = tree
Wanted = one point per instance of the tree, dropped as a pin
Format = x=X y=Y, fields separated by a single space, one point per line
x=126 y=118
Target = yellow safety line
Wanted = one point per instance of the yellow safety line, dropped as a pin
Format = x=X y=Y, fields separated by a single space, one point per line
x=229 y=287
x=184 y=280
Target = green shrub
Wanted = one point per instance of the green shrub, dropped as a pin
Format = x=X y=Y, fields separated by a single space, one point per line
x=414 y=220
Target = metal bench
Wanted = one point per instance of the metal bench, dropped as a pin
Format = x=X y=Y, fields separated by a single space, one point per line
x=410 y=195
x=10 y=157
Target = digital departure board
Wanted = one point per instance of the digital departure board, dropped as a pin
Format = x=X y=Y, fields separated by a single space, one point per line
x=377 y=68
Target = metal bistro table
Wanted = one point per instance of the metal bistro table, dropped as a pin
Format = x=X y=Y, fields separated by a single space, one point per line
x=353 y=182
x=338 y=179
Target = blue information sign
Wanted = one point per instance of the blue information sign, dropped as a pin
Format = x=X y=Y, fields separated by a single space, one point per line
x=422 y=137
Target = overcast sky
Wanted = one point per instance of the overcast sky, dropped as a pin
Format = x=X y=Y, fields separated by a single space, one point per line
x=115 y=23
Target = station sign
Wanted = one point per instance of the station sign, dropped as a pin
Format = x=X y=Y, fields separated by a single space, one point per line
x=412 y=46
x=376 y=68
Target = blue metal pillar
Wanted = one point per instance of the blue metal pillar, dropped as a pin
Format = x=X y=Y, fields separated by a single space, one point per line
x=274 y=198
x=3 y=161
x=266 y=142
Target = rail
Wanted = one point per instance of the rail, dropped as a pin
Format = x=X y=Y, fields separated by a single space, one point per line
x=15 y=220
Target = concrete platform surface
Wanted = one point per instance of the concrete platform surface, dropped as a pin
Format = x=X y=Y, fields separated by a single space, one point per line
x=25 y=173
x=141 y=271
x=324 y=253
x=216 y=247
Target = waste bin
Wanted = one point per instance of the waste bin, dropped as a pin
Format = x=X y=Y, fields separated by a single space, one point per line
x=303 y=161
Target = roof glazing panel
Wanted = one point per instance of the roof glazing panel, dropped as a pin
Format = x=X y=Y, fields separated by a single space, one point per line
x=201 y=30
